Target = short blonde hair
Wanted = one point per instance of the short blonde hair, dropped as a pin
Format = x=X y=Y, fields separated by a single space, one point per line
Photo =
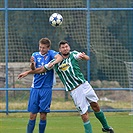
x=45 y=41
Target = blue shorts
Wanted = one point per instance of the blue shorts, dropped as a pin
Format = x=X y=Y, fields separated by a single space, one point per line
x=40 y=100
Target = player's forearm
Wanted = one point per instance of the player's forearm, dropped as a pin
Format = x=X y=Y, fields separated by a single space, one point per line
x=82 y=56
x=86 y=57
x=32 y=66
x=58 y=58
x=37 y=70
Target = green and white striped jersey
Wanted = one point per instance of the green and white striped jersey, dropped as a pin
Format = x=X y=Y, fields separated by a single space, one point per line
x=69 y=72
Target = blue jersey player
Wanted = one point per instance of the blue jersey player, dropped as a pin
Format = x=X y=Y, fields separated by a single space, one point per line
x=41 y=89
x=80 y=90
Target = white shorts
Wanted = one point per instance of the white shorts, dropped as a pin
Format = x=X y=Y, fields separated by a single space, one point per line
x=83 y=96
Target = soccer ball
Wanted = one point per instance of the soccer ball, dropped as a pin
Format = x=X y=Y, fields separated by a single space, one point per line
x=55 y=19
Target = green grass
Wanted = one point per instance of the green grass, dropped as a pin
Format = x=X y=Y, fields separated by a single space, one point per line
x=65 y=123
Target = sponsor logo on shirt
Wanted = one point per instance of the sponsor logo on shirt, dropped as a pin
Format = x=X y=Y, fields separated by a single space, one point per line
x=64 y=67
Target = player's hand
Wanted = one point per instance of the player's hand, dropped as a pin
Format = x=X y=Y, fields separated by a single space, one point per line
x=22 y=75
x=32 y=65
x=32 y=59
x=80 y=55
x=51 y=65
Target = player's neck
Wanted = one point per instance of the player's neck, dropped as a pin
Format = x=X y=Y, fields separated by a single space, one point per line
x=43 y=54
x=65 y=55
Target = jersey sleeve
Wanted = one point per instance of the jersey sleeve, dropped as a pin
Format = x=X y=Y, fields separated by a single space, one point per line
x=75 y=54
x=34 y=55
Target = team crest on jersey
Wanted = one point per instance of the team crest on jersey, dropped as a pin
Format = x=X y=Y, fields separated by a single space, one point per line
x=64 y=67
x=45 y=57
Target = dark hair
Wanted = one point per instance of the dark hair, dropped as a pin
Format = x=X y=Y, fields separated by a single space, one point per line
x=62 y=42
x=45 y=41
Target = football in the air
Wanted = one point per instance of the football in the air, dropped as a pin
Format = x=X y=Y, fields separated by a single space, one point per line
x=56 y=19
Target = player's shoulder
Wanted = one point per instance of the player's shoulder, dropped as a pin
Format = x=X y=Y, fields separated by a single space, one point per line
x=35 y=54
x=74 y=52
x=52 y=52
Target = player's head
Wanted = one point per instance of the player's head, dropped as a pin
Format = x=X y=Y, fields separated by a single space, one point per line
x=44 y=45
x=64 y=48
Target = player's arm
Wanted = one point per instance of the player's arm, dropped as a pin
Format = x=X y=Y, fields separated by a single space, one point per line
x=32 y=64
x=82 y=56
x=49 y=66
x=58 y=58
x=85 y=57
x=37 y=70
